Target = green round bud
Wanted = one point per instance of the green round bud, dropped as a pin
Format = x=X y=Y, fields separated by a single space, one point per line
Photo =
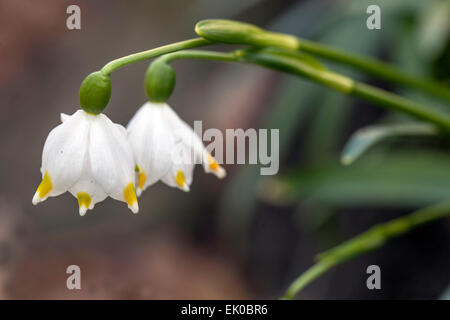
x=159 y=81
x=95 y=92
x=235 y=32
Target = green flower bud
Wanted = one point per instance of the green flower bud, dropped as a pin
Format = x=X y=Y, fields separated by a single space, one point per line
x=228 y=31
x=159 y=81
x=95 y=92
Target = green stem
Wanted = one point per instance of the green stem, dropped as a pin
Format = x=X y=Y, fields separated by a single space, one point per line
x=144 y=55
x=200 y=54
x=302 y=66
x=290 y=64
x=376 y=68
x=235 y=32
x=370 y=240
x=372 y=66
x=396 y=102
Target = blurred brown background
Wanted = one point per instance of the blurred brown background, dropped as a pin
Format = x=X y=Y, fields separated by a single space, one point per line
x=221 y=240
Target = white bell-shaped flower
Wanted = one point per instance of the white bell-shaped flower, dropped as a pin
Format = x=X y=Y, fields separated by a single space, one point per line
x=89 y=156
x=166 y=148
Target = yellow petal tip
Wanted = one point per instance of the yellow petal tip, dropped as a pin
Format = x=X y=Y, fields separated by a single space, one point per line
x=130 y=197
x=43 y=190
x=181 y=181
x=141 y=181
x=84 y=202
x=218 y=171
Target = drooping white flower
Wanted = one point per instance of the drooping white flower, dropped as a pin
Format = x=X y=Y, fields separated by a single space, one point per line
x=166 y=148
x=89 y=156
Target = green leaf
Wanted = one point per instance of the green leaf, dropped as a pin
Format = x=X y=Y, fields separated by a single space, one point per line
x=367 y=137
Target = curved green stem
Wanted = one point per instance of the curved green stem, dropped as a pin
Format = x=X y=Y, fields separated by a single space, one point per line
x=396 y=102
x=372 y=239
x=376 y=68
x=235 y=32
x=301 y=65
x=288 y=63
x=200 y=54
x=144 y=55
x=372 y=66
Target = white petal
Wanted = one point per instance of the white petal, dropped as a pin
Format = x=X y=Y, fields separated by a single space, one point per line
x=63 y=154
x=181 y=173
x=192 y=141
x=122 y=129
x=36 y=198
x=151 y=140
x=112 y=161
x=87 y=191
x=64 y=117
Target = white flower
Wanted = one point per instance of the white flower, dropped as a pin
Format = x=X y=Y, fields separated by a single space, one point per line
x=89 y=156
x=166 y=148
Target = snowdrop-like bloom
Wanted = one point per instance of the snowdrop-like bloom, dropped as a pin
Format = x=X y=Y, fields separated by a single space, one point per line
x=166 y=148
x=89 y=156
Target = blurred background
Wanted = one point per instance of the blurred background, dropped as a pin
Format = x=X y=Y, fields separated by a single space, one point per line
x=243 y=237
